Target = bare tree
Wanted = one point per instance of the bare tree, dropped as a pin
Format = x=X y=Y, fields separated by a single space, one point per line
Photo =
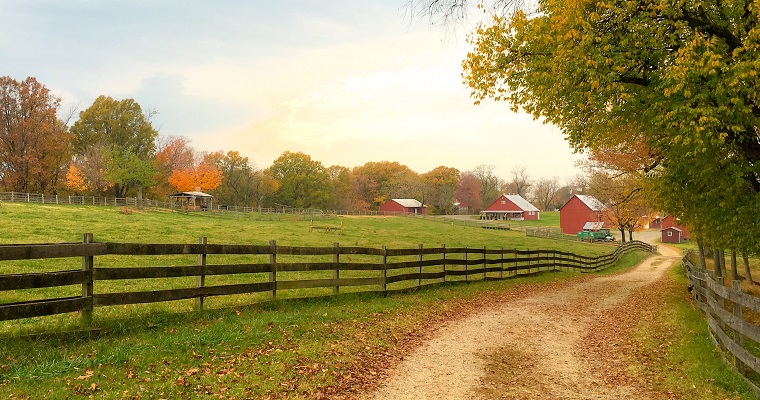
x=520 y=182
x=489 y=183
x=546 y=192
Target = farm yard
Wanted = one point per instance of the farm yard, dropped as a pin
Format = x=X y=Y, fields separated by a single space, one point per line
x=249 y=346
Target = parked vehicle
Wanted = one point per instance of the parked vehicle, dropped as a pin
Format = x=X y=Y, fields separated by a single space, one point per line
x=601 y=234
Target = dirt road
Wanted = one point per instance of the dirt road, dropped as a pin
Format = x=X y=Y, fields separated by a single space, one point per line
x=539 y=342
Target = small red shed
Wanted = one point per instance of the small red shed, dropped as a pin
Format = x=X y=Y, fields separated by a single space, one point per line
x=510 y=207
x=407 y=206
x=579 y=210
x=672 y=235
x=671 y=221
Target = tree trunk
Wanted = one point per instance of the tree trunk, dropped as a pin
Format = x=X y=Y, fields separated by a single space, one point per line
x=139 y=197
x=734 y=269
x=723 y=268
x=701 y=248
x=747 y=272
x=622 y=235
x=630 y=235
x=716 y=264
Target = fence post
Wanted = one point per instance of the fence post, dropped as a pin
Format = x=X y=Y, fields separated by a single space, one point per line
x=88 y=263
x=501 y=270
x=384 y=274
x=200 y=280
x=273 y=265
x=485 y=265
x=336 y=271
x=738 y=338
x=466 y=267
x=419 y=269
x=444 y=263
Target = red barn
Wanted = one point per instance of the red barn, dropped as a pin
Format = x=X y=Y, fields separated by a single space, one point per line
x=510 y=207
x=579 y=210
x=407 y=206
x=671 y=221
x=672 y=235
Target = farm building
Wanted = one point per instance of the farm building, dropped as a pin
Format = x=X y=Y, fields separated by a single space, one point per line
x=671 y=221
x=579 y=210
x=655 y=223
x=510 y=207
x=672 y=235
x=191 y=200
x=408 y=206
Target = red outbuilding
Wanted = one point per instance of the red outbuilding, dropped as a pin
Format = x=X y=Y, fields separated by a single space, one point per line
x=671 y=221
x=406 y=206
x=672 y=235
x=579 y=210
x=510 y=207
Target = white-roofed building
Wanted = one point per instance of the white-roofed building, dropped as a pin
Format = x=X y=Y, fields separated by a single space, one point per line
x=511 y=207
x=405 y=206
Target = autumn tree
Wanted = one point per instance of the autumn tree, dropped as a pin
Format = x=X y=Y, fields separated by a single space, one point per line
x=340 y=178
x=683 y=74
x=173 y=153
x=34 y=142
x=376 y=182
x=468 y=192
x=121 y=127
x=304 y=183
x=623 y=195
x=238 y=179
x=441 y=186
x=203 y=175
x=264 y=187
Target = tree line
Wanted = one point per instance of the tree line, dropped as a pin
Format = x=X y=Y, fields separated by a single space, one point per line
x=113 y=149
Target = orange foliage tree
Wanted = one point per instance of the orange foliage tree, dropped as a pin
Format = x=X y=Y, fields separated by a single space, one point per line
x=75 y=180
x=203 y=175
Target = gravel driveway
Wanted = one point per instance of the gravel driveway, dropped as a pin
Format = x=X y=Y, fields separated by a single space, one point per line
x=542 y=338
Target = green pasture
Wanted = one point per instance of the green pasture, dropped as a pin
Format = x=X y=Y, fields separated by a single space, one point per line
x=244 y=346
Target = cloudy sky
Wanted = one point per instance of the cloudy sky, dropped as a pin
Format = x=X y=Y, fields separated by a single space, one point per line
x=346 y=82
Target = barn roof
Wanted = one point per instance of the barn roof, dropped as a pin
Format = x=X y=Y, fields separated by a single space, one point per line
x=408 y=203
x=593 y=226
x=190 y=194
x=591 y=202
x=673 y=228
x=519 y=201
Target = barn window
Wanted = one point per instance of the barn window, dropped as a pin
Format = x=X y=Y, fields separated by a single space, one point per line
x=503 y=202
x=670 y=233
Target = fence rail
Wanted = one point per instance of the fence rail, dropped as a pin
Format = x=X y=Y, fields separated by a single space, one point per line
x=17 y=197
x=725 y=310
x=466 y=263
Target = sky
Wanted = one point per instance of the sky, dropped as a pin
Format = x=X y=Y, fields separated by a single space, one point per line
x=346 y=82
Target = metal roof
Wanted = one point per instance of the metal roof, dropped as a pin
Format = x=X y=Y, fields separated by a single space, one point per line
x=519 y=201
x=591 y=202
x=190 y=194
x=593 y=226
x=408 y=203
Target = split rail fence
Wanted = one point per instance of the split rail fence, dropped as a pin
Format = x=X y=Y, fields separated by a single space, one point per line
x=726 y=309
x=392 y=271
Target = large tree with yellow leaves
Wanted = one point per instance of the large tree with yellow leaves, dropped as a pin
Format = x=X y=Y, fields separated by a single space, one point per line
x=681 y=74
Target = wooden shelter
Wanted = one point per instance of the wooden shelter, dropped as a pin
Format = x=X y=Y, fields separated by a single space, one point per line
x=192 y=201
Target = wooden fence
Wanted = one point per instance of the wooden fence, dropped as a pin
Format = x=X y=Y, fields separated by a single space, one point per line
x=308 y=213
x=419 y=267
x=726 y=309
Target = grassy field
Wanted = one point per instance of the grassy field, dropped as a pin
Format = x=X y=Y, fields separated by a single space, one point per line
x=241 y=348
